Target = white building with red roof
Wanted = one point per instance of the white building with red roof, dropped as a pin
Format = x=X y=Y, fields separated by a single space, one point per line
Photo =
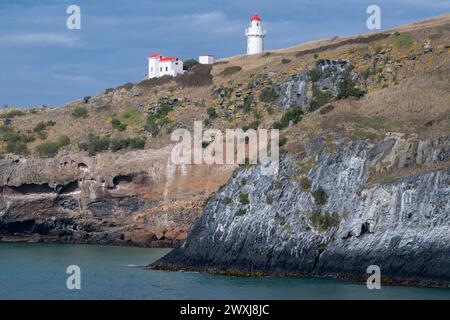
x=159 y=66
x=255 y=36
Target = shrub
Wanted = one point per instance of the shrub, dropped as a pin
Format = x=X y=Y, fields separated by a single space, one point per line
x=294 y=115
x=212 y=113
x=80 y=112
x=228 y=71
x=248 y=101
x=137 y=143
x=347 y=89
x=268 y=95
x=118 y=144
x=283 y=140
x=240 y=212
x=40 y=127
x=269 y=199
x=151 y=125
x=227 y=200
x=315 y=74
x=323 y=222
x=118 y=125
x=277 y=185
x=16 y=143
x=95 y=144
x=19 y=148
x=284 y=60
x=50 y=149
x=12 y=113
x=243 y=198
x=319 y=99
x=12 y=137
x=188 y=64
x=320 y=196
x=305 y=183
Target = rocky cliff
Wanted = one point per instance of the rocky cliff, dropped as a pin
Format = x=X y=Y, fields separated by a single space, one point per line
x=134 y=198
x=332 y=219
x=364 y=121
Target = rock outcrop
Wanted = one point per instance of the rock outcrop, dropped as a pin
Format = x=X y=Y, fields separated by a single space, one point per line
x=133 y=198
x=335 y=219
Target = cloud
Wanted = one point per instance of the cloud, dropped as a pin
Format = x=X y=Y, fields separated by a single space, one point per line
x=39 y=39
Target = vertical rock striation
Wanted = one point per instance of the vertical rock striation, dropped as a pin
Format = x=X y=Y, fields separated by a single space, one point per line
x=333 y=220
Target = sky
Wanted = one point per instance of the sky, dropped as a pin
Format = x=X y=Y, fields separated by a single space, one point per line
x=42 y=62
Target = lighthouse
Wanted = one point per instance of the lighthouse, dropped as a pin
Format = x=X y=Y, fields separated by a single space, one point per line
x=255 y=36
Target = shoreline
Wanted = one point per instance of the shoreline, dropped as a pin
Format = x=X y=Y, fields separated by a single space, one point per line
x=422 y=283
x=39 y=239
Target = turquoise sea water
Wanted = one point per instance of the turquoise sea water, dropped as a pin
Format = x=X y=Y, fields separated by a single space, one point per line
x=38 y=271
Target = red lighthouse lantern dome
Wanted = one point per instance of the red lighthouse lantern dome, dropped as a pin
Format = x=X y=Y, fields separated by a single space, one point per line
x=255 y=18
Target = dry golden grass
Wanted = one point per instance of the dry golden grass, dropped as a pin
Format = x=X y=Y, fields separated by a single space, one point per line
x=417 y=102
x=420 y=105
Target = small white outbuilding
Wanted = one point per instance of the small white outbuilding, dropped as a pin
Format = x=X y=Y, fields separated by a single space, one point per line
x=206 y=59
x=159 y=66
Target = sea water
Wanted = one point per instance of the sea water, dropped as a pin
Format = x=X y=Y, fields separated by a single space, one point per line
x=38 y=271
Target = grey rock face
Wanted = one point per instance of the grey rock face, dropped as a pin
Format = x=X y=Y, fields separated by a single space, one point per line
x=293 y=91
x=403 y=227
x=329 y=74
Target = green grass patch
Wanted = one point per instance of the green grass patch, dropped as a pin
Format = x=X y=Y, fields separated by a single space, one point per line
x=323 y=221
x=277 y=185
x=51 y=149
x=305 y=183
x=132 y=116
x=389 y=180
x=212 y=114
x=243 y=198
x=118 y=125
x=401 y=41
x=320 y=196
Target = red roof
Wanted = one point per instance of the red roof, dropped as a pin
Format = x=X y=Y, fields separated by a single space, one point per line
x=162 y=58
x=168 y=59
x=256 y=18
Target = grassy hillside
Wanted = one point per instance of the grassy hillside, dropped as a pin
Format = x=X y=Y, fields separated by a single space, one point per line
x=398 y=81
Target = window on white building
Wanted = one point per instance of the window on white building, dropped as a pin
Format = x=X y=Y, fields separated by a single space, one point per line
x=160 y=69
x=167 y=68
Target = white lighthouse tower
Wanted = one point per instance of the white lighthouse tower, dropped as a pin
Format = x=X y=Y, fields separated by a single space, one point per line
x=255 y=36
